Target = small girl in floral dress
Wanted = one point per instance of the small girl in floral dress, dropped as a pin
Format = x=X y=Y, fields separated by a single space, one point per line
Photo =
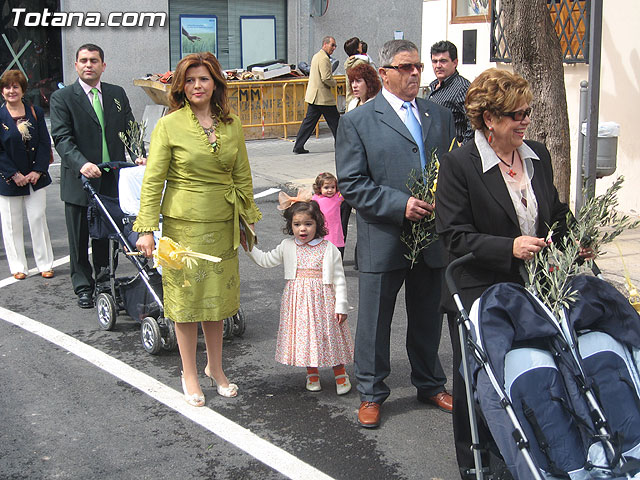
x=313 y=330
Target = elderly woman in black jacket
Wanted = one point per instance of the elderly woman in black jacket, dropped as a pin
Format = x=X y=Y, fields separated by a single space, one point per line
x=495 y=198
x=25 y=150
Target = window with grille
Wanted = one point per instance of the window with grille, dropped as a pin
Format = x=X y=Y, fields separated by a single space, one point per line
x=570 y=20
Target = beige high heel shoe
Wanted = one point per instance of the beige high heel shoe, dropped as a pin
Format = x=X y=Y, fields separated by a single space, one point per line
x=194 y=399
x=229 y=391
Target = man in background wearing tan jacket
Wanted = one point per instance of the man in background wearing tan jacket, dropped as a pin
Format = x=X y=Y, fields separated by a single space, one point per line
x=319 y=96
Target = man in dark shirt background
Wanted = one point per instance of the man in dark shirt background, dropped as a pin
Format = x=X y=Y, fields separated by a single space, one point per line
x=449 y=89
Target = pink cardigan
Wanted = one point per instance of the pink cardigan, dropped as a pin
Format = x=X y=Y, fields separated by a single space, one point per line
x=330 y=207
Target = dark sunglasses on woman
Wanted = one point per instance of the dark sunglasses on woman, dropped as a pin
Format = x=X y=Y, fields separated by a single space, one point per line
x=519 y=115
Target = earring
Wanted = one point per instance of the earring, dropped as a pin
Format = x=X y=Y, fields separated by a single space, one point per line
x=490 y=139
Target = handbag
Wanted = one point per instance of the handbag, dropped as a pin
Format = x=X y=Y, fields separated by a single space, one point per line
x=50 y=150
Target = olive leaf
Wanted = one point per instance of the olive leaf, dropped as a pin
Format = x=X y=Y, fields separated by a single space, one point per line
x=596 y=224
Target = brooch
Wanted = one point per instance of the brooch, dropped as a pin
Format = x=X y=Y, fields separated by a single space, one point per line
x=118 y=106
x=5 y=127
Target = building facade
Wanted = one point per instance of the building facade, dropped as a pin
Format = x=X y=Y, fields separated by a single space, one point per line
x=619 y=81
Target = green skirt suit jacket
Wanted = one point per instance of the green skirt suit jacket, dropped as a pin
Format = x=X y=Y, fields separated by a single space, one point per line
x=206 y=193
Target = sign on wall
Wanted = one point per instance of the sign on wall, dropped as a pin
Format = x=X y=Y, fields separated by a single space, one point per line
x=198 y=33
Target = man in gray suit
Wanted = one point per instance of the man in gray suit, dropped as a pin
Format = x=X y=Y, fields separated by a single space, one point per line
x=375 y=155
x=83 y=141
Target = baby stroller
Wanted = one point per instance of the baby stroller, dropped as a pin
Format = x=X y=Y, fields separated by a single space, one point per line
x=561 y=396
x=140 y=296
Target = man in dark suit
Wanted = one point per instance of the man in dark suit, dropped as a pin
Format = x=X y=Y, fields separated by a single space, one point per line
x=78 y=134
x=375 y=155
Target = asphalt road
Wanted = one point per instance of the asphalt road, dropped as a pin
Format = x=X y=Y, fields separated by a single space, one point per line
x=85 y=415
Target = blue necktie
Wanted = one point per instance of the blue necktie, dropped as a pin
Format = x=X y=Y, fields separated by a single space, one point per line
x=416 y=131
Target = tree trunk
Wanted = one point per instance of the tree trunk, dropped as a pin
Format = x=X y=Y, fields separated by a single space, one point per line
x=537 y=56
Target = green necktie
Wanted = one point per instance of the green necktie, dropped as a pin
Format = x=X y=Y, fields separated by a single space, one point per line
x=97 y=106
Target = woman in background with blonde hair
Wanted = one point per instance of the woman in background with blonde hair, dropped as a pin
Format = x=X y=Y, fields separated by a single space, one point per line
x=199 y=150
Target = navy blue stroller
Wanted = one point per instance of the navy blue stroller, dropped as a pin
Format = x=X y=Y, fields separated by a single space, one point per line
x=538 y=382
x=139 y=295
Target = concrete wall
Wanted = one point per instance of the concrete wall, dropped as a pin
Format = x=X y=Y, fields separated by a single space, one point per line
x=130 y=52
x=619 y=89
x=373 y=21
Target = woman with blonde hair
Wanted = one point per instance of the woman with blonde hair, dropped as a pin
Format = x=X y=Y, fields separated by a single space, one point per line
x=25 y=150
x=199 y=150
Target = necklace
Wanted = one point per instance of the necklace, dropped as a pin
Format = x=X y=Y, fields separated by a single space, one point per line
x=511 y=172
x=210 y=131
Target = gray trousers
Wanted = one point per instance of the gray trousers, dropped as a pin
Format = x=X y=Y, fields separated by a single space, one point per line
x=377 y=299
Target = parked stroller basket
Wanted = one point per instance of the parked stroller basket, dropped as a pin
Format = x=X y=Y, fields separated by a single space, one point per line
x=542 y=405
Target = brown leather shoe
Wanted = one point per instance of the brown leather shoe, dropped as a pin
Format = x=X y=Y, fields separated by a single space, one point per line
x=369 y=414
x=47 y=274
x=443 y=400
x=19 y=276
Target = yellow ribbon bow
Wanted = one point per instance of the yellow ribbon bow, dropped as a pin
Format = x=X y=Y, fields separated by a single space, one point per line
x=170 y=254
x=285 y=201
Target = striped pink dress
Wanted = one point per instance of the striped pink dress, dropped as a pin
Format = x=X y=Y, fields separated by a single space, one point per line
x=309 y=334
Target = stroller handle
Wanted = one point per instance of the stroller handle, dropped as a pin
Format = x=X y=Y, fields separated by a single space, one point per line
x=448 y=274
x=103 y=166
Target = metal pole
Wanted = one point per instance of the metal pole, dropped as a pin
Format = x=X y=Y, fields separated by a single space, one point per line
x=582 y=116
x=464 y=331
x=591 y=151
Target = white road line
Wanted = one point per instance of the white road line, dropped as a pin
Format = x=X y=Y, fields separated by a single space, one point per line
x=267 y=453
x=269 y=191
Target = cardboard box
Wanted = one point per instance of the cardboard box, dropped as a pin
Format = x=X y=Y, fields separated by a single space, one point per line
x=271 y=71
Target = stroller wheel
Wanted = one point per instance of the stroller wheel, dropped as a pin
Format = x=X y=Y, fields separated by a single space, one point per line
x=239 y=324
x=107 y=311
x=227 y=328
x=169 y=340
x=150 y=335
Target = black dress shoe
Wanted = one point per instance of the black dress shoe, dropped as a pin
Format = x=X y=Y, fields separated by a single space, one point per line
x=300 y=151
x=85 y=300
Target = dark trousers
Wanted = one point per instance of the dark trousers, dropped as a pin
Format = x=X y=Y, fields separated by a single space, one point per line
x=331 y=115
x=377 y=298
x=78 y=235
x=345 y=213
x=461 y=428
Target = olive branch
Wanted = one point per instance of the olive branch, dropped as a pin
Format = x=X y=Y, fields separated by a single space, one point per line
x=422 y=184
x=133 y=138
x=551 y=269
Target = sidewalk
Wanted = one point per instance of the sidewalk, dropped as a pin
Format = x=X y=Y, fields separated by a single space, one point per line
x=274 y=164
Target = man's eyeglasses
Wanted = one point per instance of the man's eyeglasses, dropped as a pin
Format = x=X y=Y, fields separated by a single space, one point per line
x=407 y=67
x=519 y=115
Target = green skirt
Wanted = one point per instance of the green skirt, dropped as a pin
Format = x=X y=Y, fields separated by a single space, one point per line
x=208 y=291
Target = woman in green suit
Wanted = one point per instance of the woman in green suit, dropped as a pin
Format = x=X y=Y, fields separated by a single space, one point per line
x=199 y=150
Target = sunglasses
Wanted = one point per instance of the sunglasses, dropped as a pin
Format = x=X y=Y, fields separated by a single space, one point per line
x=407 y=67
x=519 y=115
